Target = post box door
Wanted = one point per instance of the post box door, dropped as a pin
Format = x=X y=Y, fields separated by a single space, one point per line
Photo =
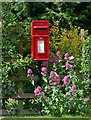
x=41 y=53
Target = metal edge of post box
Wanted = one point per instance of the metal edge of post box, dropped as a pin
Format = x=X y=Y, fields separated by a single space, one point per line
x=40 y=25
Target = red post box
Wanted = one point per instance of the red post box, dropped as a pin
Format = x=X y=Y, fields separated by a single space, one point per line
x=40 y=40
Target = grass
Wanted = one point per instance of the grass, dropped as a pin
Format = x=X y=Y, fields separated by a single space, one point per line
x=36 y=116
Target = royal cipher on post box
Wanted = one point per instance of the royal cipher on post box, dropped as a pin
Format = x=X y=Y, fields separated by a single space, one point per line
x=40 y=40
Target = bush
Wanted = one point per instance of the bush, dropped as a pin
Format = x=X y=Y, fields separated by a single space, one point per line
x=61 y=91
x=86 y=57
x=69 y=40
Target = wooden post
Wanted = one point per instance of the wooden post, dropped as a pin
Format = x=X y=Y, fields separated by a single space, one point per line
x=20 y=84
x=82 y=34
x=39 y=84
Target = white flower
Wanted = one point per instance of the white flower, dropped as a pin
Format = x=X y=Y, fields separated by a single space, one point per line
x=71 y=58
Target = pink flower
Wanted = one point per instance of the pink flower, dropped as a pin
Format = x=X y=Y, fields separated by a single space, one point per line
x=69 y=72
x=32 y=75
x=52 y=86
x=66 y=83
x=59 y=85
x=50 y=81
x=74 y=73
x=36 y=66
x=28 y=75
x=29 y=71
x=85 y=86
x=66 y=56
x=49 y=87
x=63 y=85
x=70 y=61
x=44 y=63
x=67 y=66
x=74 y=92
x=86 y=99
x=47 y=98
x=55 y=59
x=57 y=77
x=38 y=91
x=55 y=83
x=58 y=53
x=66 y=79
x=54 y=63
x=71 y=98
x=55 y=67
x=38 y=99
x=60 y=58
x=39 y=88
x=70 y=68
x=83 y=102
x=43 y=93
x=42 y=73
x=69 y=93
x=73 y=88
x=44 y=69
x=32 y=81
x=52 y=74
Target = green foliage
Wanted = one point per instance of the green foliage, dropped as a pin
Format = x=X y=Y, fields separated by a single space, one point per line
x=55 y=99
x=69 y=40
x=12 y=109
x=86 y=57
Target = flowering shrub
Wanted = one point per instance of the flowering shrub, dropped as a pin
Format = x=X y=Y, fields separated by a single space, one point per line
x=69 y=40
x=61 y=92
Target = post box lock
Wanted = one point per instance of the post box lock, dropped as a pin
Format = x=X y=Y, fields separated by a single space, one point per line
x=40 y=40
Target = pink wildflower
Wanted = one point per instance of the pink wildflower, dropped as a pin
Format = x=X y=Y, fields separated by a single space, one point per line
x=71 y=98
x=49 y=87
x=55 y=83
x=50 y=81
x=69 y=72
x=55 y=67
x=52 y=74
x=47 y=98
x=59 y=85
x=57 y=77
x=54 y=63
x=58 y=53
x=73 y=88
x=28 y=75
x=74 y=73
x=39 y=88
x=29 y=71
x=66 y=56
x=66 y=79
x=44 y=63
x=67 y=66
x=63 y=85
x=69 y=93
x=83 y=102
x=38 y=91
x=36 y=66
x=85 y=86
x=52 y=86
x=86 y=99
x=42 y=73
x=44 y=69
x=70 y=68
x=74 y=92
x=32 y=81
x=66 y=83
